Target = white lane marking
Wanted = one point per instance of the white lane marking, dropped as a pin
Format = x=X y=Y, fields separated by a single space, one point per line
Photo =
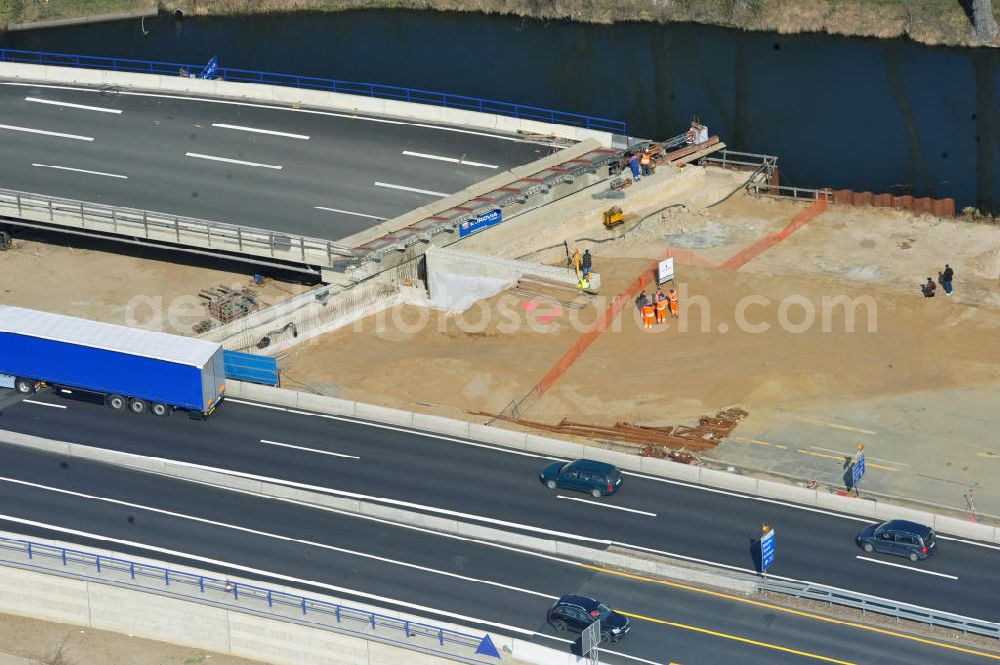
x=311 y=450
x=604 y=505
x=453 y=160
x=39 y=100
x=411 y=189
x=259 y=571
x=348 y=212
x=392 y=428
x=668 y=481
x=54 y=406
x=603 y=650
x=967 y=542
x=350 y=116
x=30 y=130
x=909 y=568
x=232 y=161
x=274 y=536
x=256 y=130
x=70 y=168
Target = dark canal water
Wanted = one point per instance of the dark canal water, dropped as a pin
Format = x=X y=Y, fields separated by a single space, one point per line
x=885 y=116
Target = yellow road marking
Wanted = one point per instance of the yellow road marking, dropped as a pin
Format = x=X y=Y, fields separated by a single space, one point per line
x=836 y=426
x=737 y=638
x=809 y=452
x=840 y=458
x=788 y=610
x=778 y=445
x=759 y=442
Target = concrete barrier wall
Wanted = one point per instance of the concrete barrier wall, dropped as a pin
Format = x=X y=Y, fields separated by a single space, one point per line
x=693 y=474
x=584 y=549
x=286 y=96
x=92 y=604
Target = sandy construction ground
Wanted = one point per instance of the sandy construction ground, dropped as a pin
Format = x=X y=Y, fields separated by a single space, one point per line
x=141 y=289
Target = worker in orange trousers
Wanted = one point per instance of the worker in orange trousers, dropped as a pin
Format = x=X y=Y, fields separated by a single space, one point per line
x=648 y=314
x=661 y=307
x=672 y=297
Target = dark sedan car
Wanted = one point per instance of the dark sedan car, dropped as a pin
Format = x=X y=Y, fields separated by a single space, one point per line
x=596 y=478
x=575 y=613
x=899 y=537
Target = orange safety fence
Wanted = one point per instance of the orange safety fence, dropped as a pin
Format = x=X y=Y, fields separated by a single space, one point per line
x=748 y=254
x=610 y=313
x=681 y=257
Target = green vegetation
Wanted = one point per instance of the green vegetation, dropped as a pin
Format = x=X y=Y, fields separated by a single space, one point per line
x=936 y=22
x=19 y=12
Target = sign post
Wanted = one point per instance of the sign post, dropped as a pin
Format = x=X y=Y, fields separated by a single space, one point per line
x=766 y=549
x=858 y=469
x=665 y=272
x=590 y=638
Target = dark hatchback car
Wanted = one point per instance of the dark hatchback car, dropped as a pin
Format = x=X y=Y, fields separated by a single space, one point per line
x=899 y=537
x=575 y=613
x=596 y=478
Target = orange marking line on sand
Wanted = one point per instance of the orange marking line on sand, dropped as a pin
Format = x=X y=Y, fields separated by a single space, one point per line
x=681 y=256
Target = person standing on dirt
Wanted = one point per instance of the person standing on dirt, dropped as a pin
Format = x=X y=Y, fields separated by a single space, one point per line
x=648 y=314
x=674 y=305
x=640 y=301
x=646 y=162
x=929 y=288
x=587 y=262
x=633 y=164
x=661 y=307
x=946 y=276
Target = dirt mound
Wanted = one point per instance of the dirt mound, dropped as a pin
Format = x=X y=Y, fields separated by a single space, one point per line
x=986 y=264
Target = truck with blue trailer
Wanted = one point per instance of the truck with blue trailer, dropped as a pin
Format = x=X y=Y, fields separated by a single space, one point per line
x=134 y=370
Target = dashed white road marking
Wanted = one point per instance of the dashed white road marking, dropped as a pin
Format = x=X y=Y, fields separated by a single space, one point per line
x=267 y=573
x=348 y=212
x=350 y=116
x=101 y=109
x=36 y=402
x=232 y=161
x=70 y=168
x=909 y=568
x=453 y=160
x=31 y=130
x=411 y=189
x=255 y=130
x=605 y=505
x=311 y=450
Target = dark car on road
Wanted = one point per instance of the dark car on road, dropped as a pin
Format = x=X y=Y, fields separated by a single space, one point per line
x=899 y=537
x=595 y=478
x=575 y=613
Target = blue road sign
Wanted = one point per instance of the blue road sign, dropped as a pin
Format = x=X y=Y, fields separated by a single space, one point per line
x=487 y=648
x=858 y=469
x=767 y=550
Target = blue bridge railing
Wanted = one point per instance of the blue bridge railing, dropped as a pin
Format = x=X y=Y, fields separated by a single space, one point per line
x=240 y=596
x=313 y=83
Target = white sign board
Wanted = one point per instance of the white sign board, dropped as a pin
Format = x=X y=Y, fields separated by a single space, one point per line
x=666 y=271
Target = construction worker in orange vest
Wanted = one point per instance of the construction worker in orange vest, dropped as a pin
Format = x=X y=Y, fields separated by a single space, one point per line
x=646 y=162
x=672 y=297
x=661 y=307
x=649 y=314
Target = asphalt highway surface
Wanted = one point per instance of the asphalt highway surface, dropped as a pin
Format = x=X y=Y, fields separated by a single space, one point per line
x=500 y=488
x=495 y=589
x=304 y=171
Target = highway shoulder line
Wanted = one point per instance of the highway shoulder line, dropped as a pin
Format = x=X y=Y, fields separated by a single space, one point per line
x=912 y=569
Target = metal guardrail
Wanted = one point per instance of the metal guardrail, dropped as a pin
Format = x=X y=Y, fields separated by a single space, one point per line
x=867 y=603
x=786 y=192
x=167 y=228
x=244 y=597
x=380 y=91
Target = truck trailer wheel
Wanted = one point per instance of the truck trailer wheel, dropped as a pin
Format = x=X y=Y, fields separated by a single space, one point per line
x=116 y=402
x=158 y=409
x=136 y=405
x=24 y=386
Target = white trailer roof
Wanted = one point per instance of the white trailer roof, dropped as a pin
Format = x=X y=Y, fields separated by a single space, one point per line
x=69 y=329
